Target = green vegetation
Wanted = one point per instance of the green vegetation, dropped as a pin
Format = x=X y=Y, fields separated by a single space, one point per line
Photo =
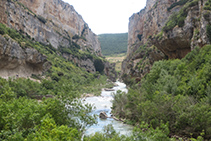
x=207 y=5
x=42 y=19
x=208 y=30
x=176 y=93
x=181 y=2
x=112 y=44
x=179 y=17
x=23 y=117
x=99 y=65
x=117 y=59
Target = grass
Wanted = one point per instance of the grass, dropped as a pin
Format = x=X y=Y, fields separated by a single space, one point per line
x=117 y=58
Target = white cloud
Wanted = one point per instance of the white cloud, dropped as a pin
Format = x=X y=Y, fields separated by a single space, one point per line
x=107 y=16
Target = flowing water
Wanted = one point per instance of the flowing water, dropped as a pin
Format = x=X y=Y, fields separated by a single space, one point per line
x=103 y=104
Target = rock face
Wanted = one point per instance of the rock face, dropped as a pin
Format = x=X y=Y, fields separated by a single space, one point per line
x=50 y=22
x=55 y=23
x=148 y=41
x=16 y=61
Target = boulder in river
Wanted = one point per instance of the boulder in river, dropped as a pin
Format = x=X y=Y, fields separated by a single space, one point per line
x=106 y=89
x=116 y=85
x=103 y=115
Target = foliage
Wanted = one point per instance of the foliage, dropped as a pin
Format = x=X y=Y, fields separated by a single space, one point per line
x=180 y=2
x=176 y=92
x=25 y=117
x=60 y=117
x=208 y=30
x=48 y=130
x=109 y=134
x=179 y=17
x=145 y=132
x=2 y=29
x=42 y=19
x=113 y=43
x=99 y=65
x=142 y=133
x=207 y=5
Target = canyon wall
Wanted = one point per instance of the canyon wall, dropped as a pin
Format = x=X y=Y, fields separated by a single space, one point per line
x=164 y=29
x=49 y=21
x=54 y=23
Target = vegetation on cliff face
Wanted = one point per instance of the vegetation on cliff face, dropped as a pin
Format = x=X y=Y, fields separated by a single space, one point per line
x=178 y=18
x=180 y=2
x=23 y=117
x=112 y=44
x=175 y=92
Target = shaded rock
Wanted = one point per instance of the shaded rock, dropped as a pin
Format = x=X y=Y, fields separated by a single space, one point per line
x=21 y=62
x=149 y=41
x=107 y=89
x=116 y=85
x=103 y=115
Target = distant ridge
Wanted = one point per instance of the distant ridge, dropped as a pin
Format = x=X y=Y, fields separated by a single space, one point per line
x=113 y=43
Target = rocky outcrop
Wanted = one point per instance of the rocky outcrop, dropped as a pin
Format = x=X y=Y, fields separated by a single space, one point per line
x=50 y=22
x=110 y=71
x=149 y=21
x=20 y=62
x=164 y=29
x=181 y=39
x=103 y=115
x=55 y=23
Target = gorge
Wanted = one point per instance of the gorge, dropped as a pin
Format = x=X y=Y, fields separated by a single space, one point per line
x=164 y=29
x=50 y=59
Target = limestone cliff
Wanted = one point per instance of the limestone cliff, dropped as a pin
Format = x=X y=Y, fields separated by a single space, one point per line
x=164 y=29
x=16 y=61
x=54 y=23
x=49 y=21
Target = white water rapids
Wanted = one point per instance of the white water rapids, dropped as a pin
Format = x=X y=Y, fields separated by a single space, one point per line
x=103 y=104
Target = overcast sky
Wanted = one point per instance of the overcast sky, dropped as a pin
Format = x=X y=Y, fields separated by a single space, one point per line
x=107 y=16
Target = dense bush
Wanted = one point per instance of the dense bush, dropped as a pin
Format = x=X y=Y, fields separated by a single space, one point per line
x=207 y=5
x=208 y=30
x=99 y=65
x=176 y=92
x=2 y=29
x=27 y=118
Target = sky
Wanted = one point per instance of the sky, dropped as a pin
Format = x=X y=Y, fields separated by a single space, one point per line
x=107 y=16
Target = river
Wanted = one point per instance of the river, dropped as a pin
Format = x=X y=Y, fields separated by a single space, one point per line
x=104 y=103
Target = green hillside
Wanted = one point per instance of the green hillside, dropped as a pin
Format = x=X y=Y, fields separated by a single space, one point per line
x=23 y=117
x=113 y=43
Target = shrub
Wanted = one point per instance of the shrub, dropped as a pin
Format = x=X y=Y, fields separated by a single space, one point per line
x=180 y=2
x=42 y=19
x=174 y=92
x=2 y=29
x=179 y=17
x=208 y=30
x=207 y=5
x=75 y=36
x=99 y=65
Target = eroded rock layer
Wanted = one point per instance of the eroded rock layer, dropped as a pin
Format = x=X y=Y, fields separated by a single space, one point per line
x=54 y=23
x=164 y=29
x=19 y=62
